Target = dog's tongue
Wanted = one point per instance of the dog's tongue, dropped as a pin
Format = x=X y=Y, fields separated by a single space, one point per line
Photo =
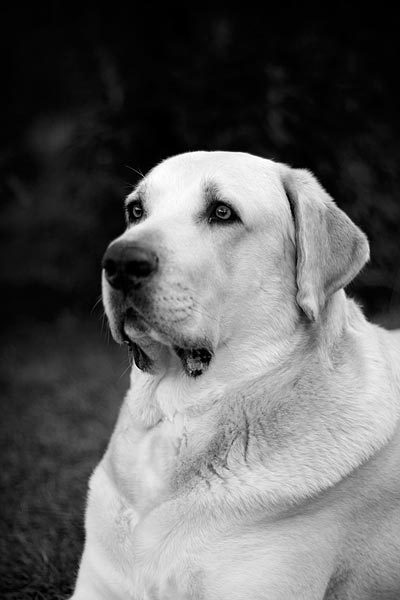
x=194 y=360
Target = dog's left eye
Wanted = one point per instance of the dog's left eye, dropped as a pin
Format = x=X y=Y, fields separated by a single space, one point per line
x=134 y=211
x=222 y=213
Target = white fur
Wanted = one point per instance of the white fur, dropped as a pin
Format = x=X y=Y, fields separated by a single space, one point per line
x=275 y=474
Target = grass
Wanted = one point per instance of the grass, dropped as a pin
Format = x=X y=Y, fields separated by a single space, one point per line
x=62 y=385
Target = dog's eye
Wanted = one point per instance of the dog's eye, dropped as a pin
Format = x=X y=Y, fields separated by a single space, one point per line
x=134 y=211
x=222 y=213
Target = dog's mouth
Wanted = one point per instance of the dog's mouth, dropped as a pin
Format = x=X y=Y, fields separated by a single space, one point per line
x=194 y=360
x=195 y=357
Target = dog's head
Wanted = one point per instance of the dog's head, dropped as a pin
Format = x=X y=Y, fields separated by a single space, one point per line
x=224 y=246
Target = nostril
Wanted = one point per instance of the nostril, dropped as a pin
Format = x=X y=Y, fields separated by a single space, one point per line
x=110 y=267
x=140 y=268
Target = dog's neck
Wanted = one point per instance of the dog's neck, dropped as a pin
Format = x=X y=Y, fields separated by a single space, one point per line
x=237 y=363
x=314 y=389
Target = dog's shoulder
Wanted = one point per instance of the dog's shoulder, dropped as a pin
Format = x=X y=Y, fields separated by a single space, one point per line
x=391 y=345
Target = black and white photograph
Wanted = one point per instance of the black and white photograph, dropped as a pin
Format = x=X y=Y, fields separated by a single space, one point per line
x=200 y=302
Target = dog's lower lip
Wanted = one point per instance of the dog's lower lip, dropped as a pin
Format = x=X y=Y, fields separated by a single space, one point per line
x=125 y=339
x=132 y=319
x=194 y=360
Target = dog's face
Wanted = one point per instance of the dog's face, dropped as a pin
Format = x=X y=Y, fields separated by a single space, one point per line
x=208 y=256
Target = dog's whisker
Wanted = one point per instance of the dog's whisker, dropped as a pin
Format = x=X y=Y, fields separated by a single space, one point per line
x=137 y=171
x=96 y=304
x=126 y=370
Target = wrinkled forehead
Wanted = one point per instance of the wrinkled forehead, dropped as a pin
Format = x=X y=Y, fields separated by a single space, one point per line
x=249 y=183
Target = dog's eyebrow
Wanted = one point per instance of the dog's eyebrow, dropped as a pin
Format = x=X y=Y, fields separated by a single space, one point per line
x=211 y=192
x=139 y=193
x=213 y=195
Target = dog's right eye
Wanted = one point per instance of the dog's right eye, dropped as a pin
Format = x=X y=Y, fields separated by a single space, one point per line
x=222 y=213
x=134 y=211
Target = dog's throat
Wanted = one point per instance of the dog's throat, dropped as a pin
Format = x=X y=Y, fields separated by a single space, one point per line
x=194 y=360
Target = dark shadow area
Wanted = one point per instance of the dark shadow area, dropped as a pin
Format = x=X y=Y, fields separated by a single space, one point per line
x=97 y=97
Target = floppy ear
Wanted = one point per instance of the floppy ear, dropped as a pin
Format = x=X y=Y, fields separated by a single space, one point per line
x=330 y=248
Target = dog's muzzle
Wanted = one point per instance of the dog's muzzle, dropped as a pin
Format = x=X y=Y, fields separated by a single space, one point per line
x=128 y=265
x=127 y=268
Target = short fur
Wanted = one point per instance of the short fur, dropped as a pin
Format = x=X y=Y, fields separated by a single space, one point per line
x=274 y=472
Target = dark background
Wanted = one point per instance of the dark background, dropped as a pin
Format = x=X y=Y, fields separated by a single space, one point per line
x=92 y=97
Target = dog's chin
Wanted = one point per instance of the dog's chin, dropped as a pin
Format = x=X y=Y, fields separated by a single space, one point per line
x=147 y=345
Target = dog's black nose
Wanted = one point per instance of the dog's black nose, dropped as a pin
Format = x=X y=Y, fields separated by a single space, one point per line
x=127 y=265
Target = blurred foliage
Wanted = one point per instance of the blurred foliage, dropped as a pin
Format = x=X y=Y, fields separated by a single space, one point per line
x=96 y=91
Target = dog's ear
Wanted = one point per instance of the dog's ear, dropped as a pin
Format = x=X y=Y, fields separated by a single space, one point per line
x=330 y=248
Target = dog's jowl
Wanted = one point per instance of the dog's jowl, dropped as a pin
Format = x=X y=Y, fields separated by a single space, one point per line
x=257 y=452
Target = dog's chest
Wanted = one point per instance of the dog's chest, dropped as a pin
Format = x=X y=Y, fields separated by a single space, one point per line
x=143 y=462
x=128 y=493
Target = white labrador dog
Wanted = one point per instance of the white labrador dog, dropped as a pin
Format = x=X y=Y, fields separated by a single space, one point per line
x=257 y=454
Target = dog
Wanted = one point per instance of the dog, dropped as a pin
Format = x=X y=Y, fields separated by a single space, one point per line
x=257 y=452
